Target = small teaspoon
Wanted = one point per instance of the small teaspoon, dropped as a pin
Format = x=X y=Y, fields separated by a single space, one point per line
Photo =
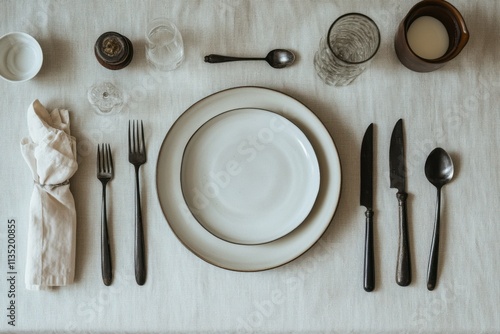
x=439 y=171
x=278 y=58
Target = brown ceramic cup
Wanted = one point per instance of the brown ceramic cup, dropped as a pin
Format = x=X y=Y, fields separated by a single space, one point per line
x=452 y=20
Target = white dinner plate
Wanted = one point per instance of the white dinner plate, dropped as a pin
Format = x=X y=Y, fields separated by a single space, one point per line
x=249 y=176
x=203 y=243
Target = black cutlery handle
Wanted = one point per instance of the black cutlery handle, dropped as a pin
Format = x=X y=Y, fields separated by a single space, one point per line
x=139 y=254
x=369 y=264
x=213 y=58
x=434 y=253
x=403 y=269
x=106 y=271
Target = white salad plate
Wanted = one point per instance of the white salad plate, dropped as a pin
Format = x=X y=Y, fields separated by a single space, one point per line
x=249 y=176
x=198 y=239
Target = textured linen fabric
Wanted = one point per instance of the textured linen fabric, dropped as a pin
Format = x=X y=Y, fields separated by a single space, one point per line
x=455 y=107
x=50 y=153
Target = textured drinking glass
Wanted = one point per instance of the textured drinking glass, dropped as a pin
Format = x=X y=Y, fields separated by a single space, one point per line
x=164 y=45
x=352 y=41
x=106 y=98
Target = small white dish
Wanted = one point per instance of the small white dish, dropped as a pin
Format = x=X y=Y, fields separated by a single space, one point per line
x=21 y=57
x=250 y=176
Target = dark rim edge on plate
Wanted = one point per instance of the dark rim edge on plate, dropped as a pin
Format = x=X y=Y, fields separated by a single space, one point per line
x=249 y=270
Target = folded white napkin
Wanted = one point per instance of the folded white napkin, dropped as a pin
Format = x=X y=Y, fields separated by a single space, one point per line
x=50 y=152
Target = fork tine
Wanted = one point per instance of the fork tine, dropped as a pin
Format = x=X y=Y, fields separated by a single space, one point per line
x=110 y=159
x=136 y=136
x=132 y=136
x=106 y=158
x=143 y=147
x=129 y=141
x=98 y=159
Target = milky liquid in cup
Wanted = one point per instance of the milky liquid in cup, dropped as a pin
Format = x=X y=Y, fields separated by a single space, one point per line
x=428 y=37
x=166 y=53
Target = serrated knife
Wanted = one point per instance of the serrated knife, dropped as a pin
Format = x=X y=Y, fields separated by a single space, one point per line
x=397 y=168
x=366 y=200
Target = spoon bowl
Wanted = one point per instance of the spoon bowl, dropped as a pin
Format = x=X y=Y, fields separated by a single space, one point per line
x=439 y=171
x=439 y=167
x=278 y=58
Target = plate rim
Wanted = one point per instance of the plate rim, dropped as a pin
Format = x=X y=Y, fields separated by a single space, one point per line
x=331 y=213
x=314 y=162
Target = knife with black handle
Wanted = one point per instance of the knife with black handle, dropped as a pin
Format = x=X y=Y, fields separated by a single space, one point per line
x=366 y=200
x=398 y=180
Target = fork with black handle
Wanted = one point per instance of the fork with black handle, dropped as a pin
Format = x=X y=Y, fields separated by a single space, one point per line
x=137 y=157
x=105 y=174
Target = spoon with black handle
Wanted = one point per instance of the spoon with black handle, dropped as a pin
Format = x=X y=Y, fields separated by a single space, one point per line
x=439 y=171
x=278 y=58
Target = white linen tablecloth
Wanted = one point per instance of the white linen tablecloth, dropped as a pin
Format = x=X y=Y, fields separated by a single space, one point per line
x=456 y=107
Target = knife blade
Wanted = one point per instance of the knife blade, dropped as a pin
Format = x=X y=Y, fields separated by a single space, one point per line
x=397 y=169
x=366 y=200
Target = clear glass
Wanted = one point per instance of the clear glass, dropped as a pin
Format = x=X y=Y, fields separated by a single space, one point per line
x=106 y=98
x=352 y=41
x=164 y=45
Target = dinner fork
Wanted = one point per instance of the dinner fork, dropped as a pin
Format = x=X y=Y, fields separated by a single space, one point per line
x=137 y=157
x=105 y=174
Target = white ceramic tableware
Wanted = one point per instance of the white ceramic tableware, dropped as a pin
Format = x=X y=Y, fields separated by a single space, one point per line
x=21 y=57
x=204 y=244
x=249 y=176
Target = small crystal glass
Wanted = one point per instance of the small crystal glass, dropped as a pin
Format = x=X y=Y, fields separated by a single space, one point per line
x=164 y=45
x=106 y=98
x=352 y=41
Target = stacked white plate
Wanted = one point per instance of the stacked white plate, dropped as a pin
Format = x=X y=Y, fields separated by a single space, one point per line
x=248 y=178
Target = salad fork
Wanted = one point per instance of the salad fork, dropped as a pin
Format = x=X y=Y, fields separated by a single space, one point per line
x=137 y=157
x=105 y=174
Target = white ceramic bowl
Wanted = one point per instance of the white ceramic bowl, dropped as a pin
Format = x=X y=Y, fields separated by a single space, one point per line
x=21 y=57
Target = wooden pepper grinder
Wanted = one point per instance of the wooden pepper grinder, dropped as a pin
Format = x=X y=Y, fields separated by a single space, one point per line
x=113 y=51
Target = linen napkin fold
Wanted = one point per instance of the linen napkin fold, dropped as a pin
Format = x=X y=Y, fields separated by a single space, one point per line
x=50 y=153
